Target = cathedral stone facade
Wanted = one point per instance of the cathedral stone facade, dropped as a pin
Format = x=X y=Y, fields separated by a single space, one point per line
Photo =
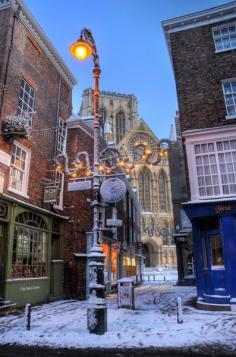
x=150 y=182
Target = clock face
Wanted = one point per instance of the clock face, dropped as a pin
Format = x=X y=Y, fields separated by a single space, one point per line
x=136 y=152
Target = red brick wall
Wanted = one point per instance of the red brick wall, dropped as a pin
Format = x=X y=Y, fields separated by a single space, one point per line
x=29 y=61
x=77 y=208
x=198 y=73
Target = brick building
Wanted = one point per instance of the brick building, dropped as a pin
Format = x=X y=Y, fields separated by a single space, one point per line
x=202 y=47
x=35 y=100
x=120 y=245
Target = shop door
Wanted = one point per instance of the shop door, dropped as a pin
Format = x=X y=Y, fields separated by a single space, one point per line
x=214 y=270
x=2 y=260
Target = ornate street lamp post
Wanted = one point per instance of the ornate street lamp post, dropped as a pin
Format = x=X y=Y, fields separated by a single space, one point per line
x=97 y=312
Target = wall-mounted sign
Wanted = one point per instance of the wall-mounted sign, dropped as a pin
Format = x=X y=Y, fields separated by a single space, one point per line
x=222 y=208
x=112 y=190
x=114 y=222
x=79 y=185
x=50 y=194
x=5 y=158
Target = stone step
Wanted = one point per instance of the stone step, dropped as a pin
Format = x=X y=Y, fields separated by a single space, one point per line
x=217 y=299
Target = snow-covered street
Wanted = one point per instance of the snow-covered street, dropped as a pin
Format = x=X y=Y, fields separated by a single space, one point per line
x=152 y=324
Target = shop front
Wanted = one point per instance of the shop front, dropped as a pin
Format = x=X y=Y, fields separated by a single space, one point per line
x=214 y=238
x=111 y=265
x=31 y=248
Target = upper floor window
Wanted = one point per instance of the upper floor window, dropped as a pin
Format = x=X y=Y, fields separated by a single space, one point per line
x=225 y=37
x=19 y=169
x=144 y=183
x=61 y=136
x=26 y=100
x=216 y=168
x=120 y=126
x=162 y=190
x=229 y=89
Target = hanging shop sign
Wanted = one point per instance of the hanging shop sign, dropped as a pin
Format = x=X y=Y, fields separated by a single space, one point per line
x=112 y=190
x=50 y=194
x=79 y=185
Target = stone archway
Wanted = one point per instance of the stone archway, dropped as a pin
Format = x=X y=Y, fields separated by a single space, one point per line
x=151 y=253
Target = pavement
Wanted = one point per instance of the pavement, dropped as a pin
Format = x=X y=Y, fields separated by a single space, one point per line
x=216 y=335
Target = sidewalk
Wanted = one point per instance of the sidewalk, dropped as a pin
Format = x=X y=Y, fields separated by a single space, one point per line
x=150 y=329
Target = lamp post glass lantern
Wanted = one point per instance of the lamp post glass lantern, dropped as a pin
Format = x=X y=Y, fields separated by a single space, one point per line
x=97 y=311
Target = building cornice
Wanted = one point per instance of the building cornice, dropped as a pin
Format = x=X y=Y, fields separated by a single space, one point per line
x=111 y=94
x=197 y=19
x=34 y=28
x=209 y=131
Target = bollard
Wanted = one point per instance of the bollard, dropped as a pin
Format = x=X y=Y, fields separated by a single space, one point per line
x=179 y=311
x=28 y=316
x=164 y=278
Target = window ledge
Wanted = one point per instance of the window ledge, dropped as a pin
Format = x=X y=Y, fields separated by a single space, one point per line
x=225 y=50
x=17 y=192
x=230 y=117
x=217 y=267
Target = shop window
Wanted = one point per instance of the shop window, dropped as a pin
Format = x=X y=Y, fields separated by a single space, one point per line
x=216 y=251
x=19 y=171
x=216 y=168
x=30 y=244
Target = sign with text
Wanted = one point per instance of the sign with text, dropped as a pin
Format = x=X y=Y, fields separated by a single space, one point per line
x=114 y=222
x=79 y=185
x=50 y=194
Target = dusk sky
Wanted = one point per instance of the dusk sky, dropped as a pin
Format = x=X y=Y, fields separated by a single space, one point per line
x=130 y=41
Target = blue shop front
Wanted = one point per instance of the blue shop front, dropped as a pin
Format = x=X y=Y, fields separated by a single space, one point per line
x=214 y=239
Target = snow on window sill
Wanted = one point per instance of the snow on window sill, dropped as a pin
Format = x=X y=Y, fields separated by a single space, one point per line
x=20 y=193
x=217 y=267
x=228 y=117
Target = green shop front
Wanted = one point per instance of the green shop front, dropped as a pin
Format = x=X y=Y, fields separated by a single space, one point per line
x=31 y=253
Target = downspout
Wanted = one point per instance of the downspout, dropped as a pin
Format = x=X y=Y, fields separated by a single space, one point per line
x=15 y=16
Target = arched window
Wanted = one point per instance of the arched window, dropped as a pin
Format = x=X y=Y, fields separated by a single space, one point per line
x=120 y=126
x=30 y=246
x=163 y=195
x=144 y=185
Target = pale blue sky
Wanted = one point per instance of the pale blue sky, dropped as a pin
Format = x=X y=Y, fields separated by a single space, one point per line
x=133 y=54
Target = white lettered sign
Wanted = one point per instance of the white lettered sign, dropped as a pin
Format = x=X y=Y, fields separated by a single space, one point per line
x=79 y=185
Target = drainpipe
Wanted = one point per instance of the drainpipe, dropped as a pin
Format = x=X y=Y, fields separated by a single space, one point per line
x=15 y=16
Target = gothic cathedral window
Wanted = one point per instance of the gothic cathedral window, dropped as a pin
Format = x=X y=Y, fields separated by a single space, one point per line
x=144 y=184
x=120 y=126
x=163 y=199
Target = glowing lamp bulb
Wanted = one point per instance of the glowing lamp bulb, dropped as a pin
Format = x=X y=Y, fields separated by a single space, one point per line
x=81 y=49
x=79 y=165
x=73 y=174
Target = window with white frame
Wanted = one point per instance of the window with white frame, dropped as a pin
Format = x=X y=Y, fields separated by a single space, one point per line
x=60 y=185
x=216 y=168
x=229 y=89
x=61 y=135
x=26 y=100
x=225 y=37
x=19 y=169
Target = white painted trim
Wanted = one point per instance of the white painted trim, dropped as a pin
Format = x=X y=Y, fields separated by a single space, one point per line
x=200 y=137
x=26 y=172
x=24 y=279
x=209 y=131
x=228 y=117
x=19 y=193
x=37 y=208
